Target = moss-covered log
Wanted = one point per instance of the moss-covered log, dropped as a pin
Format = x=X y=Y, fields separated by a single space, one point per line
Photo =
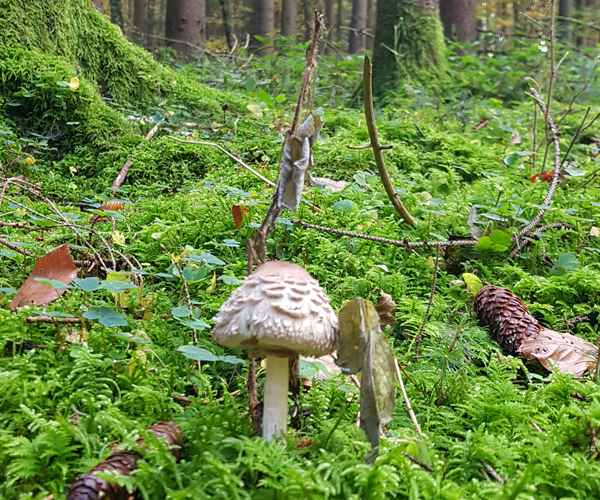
x=409 y=49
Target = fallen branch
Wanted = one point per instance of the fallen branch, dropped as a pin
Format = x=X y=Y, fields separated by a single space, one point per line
x=123 y=173
x=15 y=248
x=415 y=461
x=403 y=244
x=493 y=472
x=232 y=156
x=370 y=117
x=49 y=319
x=541 y=229
x=557 y=169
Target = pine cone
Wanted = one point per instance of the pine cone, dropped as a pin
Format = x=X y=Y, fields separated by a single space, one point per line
x=506 y=316
x=90 y=487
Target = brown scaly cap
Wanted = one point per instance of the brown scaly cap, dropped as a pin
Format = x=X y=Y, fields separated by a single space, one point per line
x=278 y=310
x=506 y=315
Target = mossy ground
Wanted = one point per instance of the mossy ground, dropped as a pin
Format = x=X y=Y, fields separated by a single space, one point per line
x=63 y=407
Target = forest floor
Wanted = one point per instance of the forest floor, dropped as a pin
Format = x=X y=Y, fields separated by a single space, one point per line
x=494 y=426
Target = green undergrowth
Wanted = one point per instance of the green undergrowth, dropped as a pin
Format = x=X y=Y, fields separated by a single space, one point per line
x=65 y=406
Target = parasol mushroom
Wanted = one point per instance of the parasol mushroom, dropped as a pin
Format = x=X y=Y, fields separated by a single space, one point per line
x=279 y=311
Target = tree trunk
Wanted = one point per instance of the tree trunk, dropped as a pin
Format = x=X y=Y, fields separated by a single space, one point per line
x=412 y=30
x=565 y=9
x=307 y=20
x=116 y=13
x=288 y=18
x=263 y=24
x=459 y=18
x=338 y=23
x=99 y=5
x=186 y=23
x=226 y=25
x=358 y=25
x=140 y=21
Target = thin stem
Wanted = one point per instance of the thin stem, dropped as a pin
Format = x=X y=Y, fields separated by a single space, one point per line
x=407 y=401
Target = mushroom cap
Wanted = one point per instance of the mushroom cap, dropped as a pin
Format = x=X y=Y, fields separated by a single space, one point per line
x=278 y=310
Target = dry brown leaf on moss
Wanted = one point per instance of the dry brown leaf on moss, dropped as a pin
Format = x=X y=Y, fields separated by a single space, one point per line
x=238 y=215
x=113 y=205
x=386 y=309
x=571 y=354
x=55 y=265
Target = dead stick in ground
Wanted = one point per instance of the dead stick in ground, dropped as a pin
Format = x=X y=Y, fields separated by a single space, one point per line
x=383 y=173
x=493 y=472
x=123 y=173
x=403 y=244
x=419 y=336
x=413 y=417
x=419 y=463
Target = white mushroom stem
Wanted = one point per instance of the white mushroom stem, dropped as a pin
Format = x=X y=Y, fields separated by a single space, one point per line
x=276 y=398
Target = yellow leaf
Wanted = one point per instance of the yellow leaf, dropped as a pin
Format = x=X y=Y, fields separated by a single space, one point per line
x=147 y=316
x=213 y=283
x=253 y=108
x=72 y=170
x=142 y=122
x=594 y=231
x=74 y=83
x=20 y=212
x=263 y=363
x=118 y=238
x=473 y=282
x=30 y=160
x=137 y=359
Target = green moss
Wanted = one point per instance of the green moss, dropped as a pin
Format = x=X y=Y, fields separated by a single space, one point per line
x=409 y=52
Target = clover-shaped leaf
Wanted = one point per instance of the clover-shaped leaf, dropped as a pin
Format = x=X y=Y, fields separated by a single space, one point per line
x=106 y=317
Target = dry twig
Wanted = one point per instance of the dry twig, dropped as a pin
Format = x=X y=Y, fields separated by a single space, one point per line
x=413 y=417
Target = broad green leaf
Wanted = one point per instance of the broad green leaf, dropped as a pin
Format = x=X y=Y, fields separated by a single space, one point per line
x=193 y=273
x=362 y=347
x=197 y=353
x=473 y=282
x=57 y=285
x=307 y=369
x=484 y=243
x=229 y=280
x=6 y=253
x=344 y=205
x=500 y=237
x=566 y=263
x=106 y=317
x=7 y=289
x=194 y=324
x=181 y=312
x=87 y=284
x=117 y=286
x=266 y=98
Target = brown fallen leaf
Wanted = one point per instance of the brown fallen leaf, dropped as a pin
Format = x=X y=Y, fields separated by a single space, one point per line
x=113 y=205
x=330 y=184
x=238 y=215
x=570 y=353
x=55 y=265
x=386 y=308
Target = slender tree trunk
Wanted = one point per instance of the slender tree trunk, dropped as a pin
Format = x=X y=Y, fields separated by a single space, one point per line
x=358 y=25
x=140 y=21
x=413 y=30
x=263 y=24
x=116 y=13
x=565 y=9
x=226 y=24
x=288 y=18
x=459 y=18
x=186 y=23
x=307 y=18
x=329 y=23
x=338 y=22
x=99 y=5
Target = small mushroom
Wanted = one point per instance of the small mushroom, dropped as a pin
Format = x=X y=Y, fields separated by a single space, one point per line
x=279 y=311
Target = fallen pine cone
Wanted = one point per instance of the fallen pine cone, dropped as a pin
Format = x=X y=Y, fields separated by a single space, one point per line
x=90 y=487
x=517 y=331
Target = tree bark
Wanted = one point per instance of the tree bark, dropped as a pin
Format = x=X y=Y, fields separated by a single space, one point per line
x=140 y=21
x=186 y=23
x=413 y=32
x=288 y=18
x=226 y=25
x=459 y=18
x=358 y=25
x=338 y=23
x=263 y=24
x=99 y=5
x=565 y=9
x=116 y=13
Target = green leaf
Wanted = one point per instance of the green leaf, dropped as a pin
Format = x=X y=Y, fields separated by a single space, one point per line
x=484 y=243
x=307 y=369
x=87 y=284
x=117 y=286
x=344 y=205
x=181 y=312
x=229 y=280
x=7 y=289
x=57 y=285
x=197 y=353
x=473 y=282
x=6 y=253
x=362 y=347
x=106 y=317
x=566 y=263
x=280 y=99
x=193 y=273
x=194 y=324
x=266 y=98
x=500 y=237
